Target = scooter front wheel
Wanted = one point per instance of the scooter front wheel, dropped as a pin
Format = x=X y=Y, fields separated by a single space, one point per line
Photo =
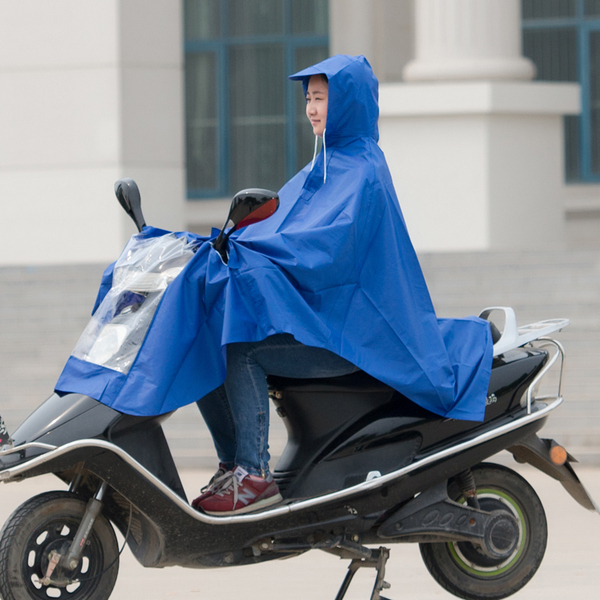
x=463 y=569
x=40 y=528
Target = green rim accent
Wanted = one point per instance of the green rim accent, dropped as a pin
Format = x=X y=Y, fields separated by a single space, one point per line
x=491 y=574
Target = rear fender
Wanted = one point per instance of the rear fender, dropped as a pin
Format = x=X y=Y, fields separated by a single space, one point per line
x=536 y=452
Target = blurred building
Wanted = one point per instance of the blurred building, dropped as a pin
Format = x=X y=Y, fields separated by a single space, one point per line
x=490 y=121
x=92 y=91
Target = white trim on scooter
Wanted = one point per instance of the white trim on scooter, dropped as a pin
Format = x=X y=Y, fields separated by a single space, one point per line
x=14 y=472
x=9 y=449
x=544 y=342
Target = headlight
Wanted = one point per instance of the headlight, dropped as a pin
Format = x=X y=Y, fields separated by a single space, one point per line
x=109 y=341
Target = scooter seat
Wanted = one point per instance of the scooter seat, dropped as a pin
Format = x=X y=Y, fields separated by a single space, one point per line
x=358 y=380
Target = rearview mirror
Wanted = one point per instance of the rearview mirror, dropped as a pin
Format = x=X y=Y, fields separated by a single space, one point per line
x=128 y=195
x=248 y=206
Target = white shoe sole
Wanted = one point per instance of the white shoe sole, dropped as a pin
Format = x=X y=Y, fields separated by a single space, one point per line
x=247 y=509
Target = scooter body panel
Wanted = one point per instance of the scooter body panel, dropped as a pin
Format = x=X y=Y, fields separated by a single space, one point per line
x=166 y=531
x=63 y=419
x=344 y=430
x=339 y=431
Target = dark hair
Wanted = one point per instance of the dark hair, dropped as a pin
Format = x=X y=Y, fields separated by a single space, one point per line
x=322 y=75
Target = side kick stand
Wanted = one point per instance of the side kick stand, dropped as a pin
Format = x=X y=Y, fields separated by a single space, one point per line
x=374 y=559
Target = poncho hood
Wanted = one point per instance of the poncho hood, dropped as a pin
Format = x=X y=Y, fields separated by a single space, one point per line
x=353 y=109
x=334 y=267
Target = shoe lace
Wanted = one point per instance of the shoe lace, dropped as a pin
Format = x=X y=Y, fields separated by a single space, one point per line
x=228 y=482
x=216 y=481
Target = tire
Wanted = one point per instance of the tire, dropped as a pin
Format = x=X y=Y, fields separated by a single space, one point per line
x=49 y=522
x=463 y=570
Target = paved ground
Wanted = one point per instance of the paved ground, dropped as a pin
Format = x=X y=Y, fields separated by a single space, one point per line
x=571 y=567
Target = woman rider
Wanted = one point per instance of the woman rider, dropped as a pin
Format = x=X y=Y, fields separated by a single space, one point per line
x=365 y=286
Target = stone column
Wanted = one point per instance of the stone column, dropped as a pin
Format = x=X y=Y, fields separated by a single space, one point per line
x=382 y=30
x=476 y=148
x=468 y=39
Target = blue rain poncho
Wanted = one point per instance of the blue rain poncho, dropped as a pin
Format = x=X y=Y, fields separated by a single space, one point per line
x=334 y=267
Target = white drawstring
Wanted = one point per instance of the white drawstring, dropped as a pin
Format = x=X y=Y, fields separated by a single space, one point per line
x=324 y=155
x=315 y=152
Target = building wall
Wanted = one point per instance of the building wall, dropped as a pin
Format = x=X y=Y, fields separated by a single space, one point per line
x=582 y=216
x=538 y=285
x=93 y=91
x=89 y=92
x=56 y=162
x=382 y=30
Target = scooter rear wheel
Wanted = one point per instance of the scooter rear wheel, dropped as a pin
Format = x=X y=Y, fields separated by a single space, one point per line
x=463 y=569
x=49 y=522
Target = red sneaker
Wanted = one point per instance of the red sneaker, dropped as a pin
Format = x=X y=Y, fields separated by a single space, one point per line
x=213 y=485
x=241 y=493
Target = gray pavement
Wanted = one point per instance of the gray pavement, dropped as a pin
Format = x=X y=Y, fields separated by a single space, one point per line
x=571 y=567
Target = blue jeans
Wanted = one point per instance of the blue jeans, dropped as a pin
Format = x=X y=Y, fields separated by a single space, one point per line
x=237 y=413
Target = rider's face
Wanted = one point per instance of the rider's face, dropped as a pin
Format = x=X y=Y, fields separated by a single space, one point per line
x=316 y=103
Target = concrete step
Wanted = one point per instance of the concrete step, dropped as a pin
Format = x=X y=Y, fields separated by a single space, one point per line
x=43 y=310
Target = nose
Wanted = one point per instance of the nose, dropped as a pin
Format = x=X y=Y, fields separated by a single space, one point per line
x=310 y=108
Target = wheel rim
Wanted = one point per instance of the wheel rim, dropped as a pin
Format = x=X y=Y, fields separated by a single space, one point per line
x=469 y=558
x=57 y=534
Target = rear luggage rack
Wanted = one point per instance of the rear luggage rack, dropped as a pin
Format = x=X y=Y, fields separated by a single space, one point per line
x=514 y=336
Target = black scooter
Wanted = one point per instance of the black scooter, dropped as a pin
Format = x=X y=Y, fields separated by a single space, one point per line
x=363 y=465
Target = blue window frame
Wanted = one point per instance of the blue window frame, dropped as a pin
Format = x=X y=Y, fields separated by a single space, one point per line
x=562 y=37
x=245 y=123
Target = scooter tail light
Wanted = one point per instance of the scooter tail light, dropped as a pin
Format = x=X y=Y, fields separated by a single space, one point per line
x=558 y=455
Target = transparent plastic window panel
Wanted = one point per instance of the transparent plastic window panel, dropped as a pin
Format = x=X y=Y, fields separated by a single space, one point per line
x=115 y=333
